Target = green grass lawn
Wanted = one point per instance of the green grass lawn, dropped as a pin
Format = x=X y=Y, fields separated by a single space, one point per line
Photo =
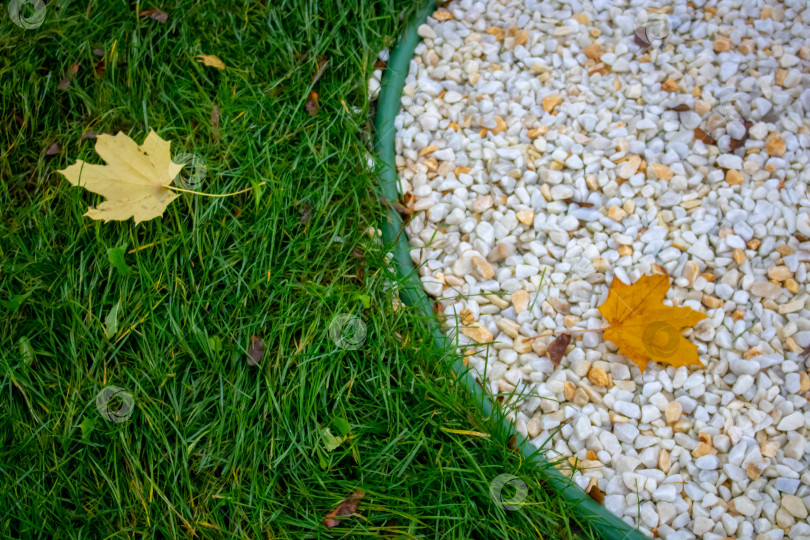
x=215 y=447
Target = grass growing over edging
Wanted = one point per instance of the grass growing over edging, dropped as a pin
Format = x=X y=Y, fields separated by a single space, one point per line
x=217 y=448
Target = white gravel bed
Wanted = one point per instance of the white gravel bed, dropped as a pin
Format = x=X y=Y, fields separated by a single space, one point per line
x=544 y=149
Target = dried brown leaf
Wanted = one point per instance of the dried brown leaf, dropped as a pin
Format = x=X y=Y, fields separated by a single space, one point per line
x=156 y=14
x=323 y=63
x=312 y=104
x=346 y=508
x=53 y=149
x=211 y=60
x=215 y=120
x=556 y=350
x=703 y=136
x=255 y=351
x=682 y=107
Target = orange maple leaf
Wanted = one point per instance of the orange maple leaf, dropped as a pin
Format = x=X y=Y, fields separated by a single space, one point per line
x=644 y=328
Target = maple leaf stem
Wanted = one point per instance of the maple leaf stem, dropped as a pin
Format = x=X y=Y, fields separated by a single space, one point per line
x=575 y=331
x=173 y=188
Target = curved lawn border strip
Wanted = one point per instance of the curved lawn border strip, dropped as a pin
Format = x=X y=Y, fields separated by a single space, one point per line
x=413 y=294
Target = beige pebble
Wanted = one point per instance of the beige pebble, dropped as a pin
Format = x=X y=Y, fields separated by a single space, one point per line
x=792 y=285
x=629 y=167
x=754 y=470
x=508 y=327
x=669 y=85
x=784 y=250
x=429 y=149
x=522 y=345
x=537 y=132
x=673 y=412
x=525 y=216
x=690 y=272
x=520 y=300
x=711 y=302
x=581 y=398
x=594 y=51
x=779 y=273
x=478 y=332
x=722 y=44
x=500 y=125
x=774 y=144
x=550 y=102
x=664 y=462
x=616 y=213
x=704 y=447
x=482 y=267
x=497 y=300
x=598 y=377
x=442 y=15
x=661 y=171
x=582 y=18
x=804 y=382
x=734 y=178
x=792 y=306
x=569 y=391
x=738 y=256
x=795 y=506
x=701 y=107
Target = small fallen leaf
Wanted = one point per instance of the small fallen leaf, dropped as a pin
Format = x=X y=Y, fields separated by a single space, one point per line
x=156 y=14
x=14 y=303
x=117 y=257
x=215 y=121
x=215 y=344
x=26 y=350
x=331 y=442
x=703 y=136
x=111 y=321
x=134 y=181
x=87 y=426
x=100 y=68
x=556 y=348
x=322 y=65
x=255 y=350
x=344 y=509
x=65 y=82
x=682 y=107
x=343 y=426
x=53 y=149
x=88 y=135
x=312 y=104
x=734 y=144
x=644 y=328
x=211 y=60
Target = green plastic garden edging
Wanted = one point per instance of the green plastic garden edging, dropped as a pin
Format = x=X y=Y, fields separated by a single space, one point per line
x=412 y=293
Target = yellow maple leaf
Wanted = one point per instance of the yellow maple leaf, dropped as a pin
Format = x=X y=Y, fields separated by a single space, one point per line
x=134 y=181
x=644 y=328
x=211 y=60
